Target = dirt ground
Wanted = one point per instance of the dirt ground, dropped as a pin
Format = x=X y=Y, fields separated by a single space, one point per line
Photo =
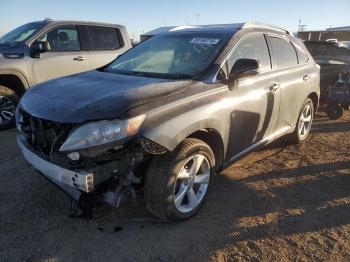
x=284 y=203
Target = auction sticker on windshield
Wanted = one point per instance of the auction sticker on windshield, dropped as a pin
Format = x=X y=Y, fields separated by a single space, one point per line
x=205 y=41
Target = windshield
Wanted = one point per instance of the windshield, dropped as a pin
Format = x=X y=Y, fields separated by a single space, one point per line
x=172 y=56
x=20 y=34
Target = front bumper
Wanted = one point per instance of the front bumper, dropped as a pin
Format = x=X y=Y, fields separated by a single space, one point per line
x=76 y=179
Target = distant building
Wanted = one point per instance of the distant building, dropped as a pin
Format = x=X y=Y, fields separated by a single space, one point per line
x=343 y=28
x=337 y=33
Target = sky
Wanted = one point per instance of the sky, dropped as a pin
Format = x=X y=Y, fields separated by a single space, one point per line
x=142 y=16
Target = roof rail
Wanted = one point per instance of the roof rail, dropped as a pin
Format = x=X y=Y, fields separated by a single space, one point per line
x=263 y=25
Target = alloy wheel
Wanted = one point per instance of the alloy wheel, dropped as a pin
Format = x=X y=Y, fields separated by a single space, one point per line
x=305 y=121
x=191 y=183
x=7 y=110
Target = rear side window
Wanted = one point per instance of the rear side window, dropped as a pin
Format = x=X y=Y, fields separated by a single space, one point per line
x=104 y=38
x=252 y=47
x=283 y=52
x=303 y=54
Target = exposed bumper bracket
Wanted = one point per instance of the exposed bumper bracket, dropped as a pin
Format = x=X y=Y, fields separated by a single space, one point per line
x=78 y=179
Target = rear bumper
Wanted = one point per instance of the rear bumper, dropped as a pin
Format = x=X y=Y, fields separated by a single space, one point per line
x=69 y=180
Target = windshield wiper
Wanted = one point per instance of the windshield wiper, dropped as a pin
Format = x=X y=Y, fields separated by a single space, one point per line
x=149 y=74
x=181 y=76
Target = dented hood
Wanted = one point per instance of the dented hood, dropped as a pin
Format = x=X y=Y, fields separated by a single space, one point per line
x=95 y=95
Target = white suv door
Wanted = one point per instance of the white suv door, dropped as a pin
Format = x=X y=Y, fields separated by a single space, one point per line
x=64 y=57
x=107 y=43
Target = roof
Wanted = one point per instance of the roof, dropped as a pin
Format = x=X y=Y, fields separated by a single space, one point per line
x=225 y=28
x=51 y=21
x=159 y=30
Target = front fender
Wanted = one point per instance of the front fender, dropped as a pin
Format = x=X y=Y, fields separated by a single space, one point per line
x=174 y=130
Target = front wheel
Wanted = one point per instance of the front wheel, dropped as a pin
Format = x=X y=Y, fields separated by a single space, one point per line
x=304 y=123
x=177 y=182
x=8 y=103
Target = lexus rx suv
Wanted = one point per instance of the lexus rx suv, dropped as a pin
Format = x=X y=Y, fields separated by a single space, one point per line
x=168 y=114
x=43 y=50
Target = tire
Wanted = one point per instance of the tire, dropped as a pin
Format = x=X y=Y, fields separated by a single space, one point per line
x=334 y=111
x=8 y=103
x=298 y=135
x=168 y=179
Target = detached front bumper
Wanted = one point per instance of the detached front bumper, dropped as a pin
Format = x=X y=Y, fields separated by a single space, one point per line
x=69 y=180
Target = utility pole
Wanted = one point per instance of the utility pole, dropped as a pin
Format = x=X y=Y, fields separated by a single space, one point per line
x=301 y=27
x=197 y=16
x=186 y=20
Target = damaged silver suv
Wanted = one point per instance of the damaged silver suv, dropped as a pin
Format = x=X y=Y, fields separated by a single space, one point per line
x=168 y=114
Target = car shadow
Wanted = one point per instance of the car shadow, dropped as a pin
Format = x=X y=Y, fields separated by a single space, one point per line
x=277 y=203
x=328 y=127
x=304 y=204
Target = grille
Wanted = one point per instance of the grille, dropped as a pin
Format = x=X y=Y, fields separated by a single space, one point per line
x=45 y=136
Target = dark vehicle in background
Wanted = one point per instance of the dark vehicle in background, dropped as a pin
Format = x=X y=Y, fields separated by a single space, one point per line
x=339 y=96
x=43 y=50
x=168 y=114
x=334 y=58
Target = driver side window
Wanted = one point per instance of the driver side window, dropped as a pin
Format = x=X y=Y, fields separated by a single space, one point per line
x=62 y=39
x=252 y=47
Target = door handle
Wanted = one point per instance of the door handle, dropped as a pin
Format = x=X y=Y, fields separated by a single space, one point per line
x=275 y=87
x=79 y=58
x=306 y=77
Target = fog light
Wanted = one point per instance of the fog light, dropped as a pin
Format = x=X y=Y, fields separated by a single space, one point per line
x=74 y=156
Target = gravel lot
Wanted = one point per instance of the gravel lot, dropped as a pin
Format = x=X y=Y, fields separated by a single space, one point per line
x=282 y=203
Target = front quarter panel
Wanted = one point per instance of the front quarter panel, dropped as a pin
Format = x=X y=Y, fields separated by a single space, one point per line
x=16 y=67
x=171 y=123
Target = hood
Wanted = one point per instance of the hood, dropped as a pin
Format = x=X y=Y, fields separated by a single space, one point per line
x=95 y=95
x=11 y=49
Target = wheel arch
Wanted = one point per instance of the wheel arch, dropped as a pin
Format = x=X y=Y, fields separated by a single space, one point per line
x=14 y=81
x=213 y=138
x=315 y=100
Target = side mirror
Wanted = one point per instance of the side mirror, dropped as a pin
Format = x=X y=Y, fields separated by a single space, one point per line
x=39 y=47
x=244 y=67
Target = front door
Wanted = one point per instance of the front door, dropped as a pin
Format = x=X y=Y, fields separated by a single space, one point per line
x=255 y=101
x=64 y=57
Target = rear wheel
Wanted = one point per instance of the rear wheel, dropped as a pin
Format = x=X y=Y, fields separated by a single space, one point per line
x=177 y=183
x=334 y=111
x=304 y=123
x=8 y=104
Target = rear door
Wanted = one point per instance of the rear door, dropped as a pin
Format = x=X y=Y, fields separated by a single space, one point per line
x=106 y=44
x=255 y=104
x=293 y=79
x=65 y=57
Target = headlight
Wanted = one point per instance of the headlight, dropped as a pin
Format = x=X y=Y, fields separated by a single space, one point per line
x=102 y=132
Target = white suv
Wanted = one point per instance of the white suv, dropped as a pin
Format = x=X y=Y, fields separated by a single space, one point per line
x=40 y=51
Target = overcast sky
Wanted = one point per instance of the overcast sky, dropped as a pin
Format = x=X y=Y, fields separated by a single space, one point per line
x=142 y=16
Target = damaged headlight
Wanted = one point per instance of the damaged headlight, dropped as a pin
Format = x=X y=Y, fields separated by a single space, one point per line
x=102 y=132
